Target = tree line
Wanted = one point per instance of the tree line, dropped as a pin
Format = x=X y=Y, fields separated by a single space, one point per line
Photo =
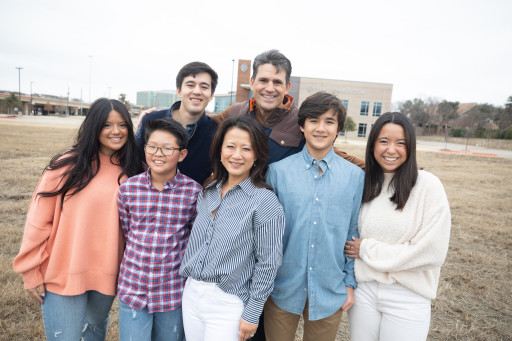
x=435 y=117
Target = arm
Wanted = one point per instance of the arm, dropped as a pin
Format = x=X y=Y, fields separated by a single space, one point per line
x=38 y=228
x=124 y=213
x=427 y=249
x=218 y=118
x=268 y=250
x=350 y=280
x=356 y=161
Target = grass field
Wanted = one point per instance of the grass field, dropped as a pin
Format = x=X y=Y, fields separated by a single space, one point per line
x=475 y=291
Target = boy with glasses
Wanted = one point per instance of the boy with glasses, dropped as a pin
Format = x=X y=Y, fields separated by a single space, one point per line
x=157 y=209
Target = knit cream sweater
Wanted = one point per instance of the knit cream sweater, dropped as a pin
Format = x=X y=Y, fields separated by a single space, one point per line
x=406 y=247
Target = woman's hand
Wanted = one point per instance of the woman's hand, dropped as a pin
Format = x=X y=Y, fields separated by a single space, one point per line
x=37 y=293
x=352 y=247
x=247 y=330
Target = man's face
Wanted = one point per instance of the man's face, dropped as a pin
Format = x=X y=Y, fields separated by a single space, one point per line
x=196 y=93
x=269 y=87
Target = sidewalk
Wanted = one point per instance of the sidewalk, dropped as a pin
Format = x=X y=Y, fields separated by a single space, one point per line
x=442 y=147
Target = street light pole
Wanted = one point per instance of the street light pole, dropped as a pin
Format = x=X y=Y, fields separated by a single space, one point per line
x=90 y=71
x=19 y=82
x=31 y=100
x=232 y=74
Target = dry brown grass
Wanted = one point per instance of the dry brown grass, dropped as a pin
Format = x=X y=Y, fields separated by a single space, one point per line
x=475 y=292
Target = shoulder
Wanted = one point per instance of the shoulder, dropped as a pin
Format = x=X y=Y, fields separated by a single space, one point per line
x=239 y=108
x=206 y=121
x=428 y=179
x=293 y=159
x=347 y=166
x=189 y=183
x=267 y=201
x=157 y=114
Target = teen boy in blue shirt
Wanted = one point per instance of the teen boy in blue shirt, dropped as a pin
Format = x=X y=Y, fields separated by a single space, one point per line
x=321 y=194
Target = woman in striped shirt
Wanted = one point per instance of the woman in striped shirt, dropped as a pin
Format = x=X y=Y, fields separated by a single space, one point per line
x=236 y=243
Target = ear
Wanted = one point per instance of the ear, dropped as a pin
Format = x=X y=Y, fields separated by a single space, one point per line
x=301 y=128
x=252 y=83
x=288 y=87
x=178 y=91
x=183 y=155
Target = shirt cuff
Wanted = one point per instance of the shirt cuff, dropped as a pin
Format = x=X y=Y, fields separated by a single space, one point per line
x=252 y=311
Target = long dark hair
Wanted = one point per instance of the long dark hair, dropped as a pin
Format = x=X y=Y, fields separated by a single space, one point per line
x=82 y=160
x=259 y=145
x=405 y=176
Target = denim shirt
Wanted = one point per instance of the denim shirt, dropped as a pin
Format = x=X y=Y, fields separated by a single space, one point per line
x=321 y=215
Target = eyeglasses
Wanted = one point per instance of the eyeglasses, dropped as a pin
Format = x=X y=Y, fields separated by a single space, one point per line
x=167 y=151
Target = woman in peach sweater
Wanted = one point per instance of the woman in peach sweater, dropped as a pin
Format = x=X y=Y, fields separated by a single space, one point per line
x=72 y=245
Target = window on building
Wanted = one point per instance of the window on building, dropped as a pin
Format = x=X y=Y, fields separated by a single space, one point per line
x=361 y=131
x=345 y=103
x=377 y=108
x=364 y=108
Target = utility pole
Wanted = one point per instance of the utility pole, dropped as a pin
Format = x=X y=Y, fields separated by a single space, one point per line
x=67 y=104
x=90 y=71
x=31 y=100
x=19 y=82
x=232 y=74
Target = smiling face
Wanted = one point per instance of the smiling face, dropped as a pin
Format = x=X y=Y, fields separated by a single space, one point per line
x=320 y=133
x=164 y=166
x=390 y=149
x=114 y=134
x=237 y=155
x=269 y=88
x=196 y=93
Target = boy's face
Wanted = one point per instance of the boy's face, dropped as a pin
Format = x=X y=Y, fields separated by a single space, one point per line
x=320 y=133
x=196 y=93
x=164 y=166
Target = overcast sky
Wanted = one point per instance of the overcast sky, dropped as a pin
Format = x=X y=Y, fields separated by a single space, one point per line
x=458 y=50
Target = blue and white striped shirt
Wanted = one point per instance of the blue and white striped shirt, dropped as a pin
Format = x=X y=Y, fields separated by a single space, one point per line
x=241 y=248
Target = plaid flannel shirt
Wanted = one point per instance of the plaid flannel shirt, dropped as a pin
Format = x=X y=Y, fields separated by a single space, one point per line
x=156 y=225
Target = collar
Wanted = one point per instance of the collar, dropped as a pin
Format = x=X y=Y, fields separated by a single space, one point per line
x=246 y=186
x=191 y=128
x=168 y=184
x=311 y=161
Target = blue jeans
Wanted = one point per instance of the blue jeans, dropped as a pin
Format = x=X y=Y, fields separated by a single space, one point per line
x=139 y=325
x=80 y=317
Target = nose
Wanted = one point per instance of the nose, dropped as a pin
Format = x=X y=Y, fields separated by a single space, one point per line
x=270 y=87
x=237 y=153
x=115 y=129
x=159 y=150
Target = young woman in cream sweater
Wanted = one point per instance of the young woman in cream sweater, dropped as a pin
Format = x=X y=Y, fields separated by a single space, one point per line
x=404 y=227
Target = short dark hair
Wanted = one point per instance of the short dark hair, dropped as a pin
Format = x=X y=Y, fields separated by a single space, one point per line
x=405 y=176
x=194 y=68
x=259 y=144
x=169 y=125
x=318 y=104
x=275 y=58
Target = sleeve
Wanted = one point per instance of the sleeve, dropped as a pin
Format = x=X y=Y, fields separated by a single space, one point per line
x=38 y=228
x=355 y=160
x=268 y=248
x=350 y=279
x=124 y=212
x=270 y=178
x=218 y=118
x=140 y=136
x=427 y=249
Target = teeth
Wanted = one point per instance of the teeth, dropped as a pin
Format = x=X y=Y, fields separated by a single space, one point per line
x=390 y=158
x=158 y=162
x=268 y=96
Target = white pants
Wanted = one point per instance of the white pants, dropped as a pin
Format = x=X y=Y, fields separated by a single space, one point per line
x=209 y=313
x=388 y=312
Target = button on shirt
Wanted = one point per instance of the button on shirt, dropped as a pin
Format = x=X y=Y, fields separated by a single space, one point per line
x=241 y=248
x=156 y=225
x=321 y=215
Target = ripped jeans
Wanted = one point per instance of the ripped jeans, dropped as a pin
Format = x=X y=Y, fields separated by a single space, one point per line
x=80 y=317
x=139 y=325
